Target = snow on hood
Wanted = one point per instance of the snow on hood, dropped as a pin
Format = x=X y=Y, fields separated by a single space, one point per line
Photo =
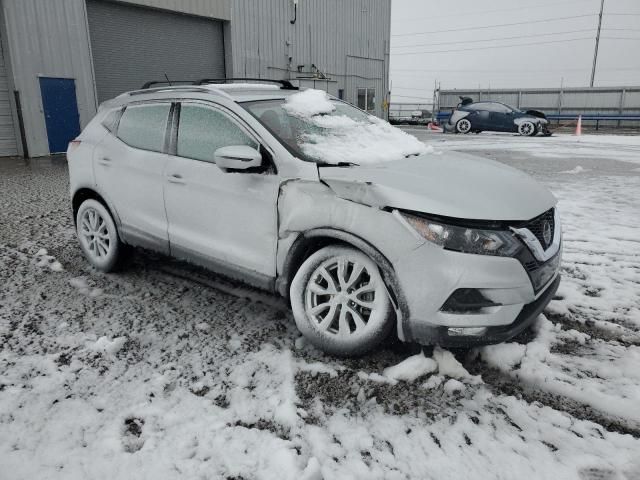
x=451 y=185
x=337 y=139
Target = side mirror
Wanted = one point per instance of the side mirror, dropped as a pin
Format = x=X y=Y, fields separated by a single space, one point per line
x=237 y=157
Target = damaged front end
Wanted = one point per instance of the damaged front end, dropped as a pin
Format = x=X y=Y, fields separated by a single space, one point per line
x=543 y=125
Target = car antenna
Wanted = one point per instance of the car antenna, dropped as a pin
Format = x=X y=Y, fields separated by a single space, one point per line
x=167 y=77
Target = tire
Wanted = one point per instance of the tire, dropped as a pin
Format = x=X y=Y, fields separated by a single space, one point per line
x=340 y=303
x=527 y=129
x=98 y=236
x=463 y=125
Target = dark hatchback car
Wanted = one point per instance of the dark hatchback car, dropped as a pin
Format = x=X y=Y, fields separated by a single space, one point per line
x=476 y=117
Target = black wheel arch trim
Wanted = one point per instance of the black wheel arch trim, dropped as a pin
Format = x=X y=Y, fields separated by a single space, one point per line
x=86 y=192
x=306 y=242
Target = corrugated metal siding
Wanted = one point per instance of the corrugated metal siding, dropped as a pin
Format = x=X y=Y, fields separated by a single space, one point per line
x=132 y=45
x=8 y=144
x=220 y=9
x=348 y=41
x=51 y=38
x=48 y=38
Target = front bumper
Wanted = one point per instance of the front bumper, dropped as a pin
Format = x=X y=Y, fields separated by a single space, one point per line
x=503 y=281
x=444 y=337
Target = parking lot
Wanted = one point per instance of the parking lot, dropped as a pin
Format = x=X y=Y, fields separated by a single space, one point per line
x=166 y=371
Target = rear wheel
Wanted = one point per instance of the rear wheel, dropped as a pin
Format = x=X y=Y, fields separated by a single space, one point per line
x=463 y=126
x=527 y=129
x=98 y=236
x=340 y=302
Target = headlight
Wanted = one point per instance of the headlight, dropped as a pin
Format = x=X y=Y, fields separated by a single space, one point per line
x=464 y=239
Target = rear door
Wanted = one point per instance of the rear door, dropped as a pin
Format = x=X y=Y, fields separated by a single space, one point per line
x=129 y=170
x=223 y=219
x=479 y=116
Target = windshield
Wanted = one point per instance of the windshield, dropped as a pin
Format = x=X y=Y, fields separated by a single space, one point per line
x=316 y=128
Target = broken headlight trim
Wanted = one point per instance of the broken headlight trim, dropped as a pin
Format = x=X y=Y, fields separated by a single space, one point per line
x=479 y=241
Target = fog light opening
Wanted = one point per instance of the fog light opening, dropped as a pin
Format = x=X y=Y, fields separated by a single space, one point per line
x=467 y=301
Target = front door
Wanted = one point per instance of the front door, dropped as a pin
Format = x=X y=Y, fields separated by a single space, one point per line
x=129 y=168
x=60 y=109
x=225 y=220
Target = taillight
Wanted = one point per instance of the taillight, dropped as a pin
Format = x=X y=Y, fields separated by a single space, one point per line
x=73 y=144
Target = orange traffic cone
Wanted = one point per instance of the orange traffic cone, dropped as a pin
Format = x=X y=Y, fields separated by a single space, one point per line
x=434 y=126
x=579 y=126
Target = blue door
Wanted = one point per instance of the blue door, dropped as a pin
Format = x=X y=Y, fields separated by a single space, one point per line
x=60 y=112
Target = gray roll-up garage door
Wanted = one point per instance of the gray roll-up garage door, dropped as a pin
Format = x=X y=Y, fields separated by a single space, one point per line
x=7 y=133
x=133 y=45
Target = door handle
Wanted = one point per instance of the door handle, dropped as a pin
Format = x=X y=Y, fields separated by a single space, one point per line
x=176 y=178
x=106 y=161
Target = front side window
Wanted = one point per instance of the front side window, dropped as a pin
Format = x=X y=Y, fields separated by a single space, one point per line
x=203 y=130
x=144 y=126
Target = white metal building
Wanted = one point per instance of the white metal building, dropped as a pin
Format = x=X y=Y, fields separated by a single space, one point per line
x=60 y=58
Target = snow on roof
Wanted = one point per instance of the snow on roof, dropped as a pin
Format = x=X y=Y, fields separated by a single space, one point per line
x=341 y=138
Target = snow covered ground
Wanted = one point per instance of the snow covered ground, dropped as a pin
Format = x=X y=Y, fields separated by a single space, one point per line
x=164 y=371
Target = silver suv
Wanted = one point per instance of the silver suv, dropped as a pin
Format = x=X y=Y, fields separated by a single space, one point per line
x=364 y=228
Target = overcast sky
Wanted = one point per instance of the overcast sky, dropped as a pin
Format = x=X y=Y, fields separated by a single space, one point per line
x=440 y=40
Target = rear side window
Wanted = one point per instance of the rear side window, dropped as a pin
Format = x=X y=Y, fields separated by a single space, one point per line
x=144 y=126
x=202 y=130
x=491 y=107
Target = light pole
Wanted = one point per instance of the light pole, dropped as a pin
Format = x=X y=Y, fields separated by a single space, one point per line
x=595 y=53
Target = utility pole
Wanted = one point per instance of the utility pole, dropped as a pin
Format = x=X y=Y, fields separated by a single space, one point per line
x=595 y=53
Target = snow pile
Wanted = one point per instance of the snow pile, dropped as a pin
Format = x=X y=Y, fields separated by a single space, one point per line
x=308 y=103
x=44 y=260
x=577 y=169
x=413 y=367
x=105 y=345
x=611 y=387
x=335 y=138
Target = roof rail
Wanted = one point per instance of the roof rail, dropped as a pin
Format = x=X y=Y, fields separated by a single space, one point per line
x=168 y=83
x=284 y=84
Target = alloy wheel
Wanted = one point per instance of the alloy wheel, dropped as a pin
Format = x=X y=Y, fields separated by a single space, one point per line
x=464 y=126
x=94 y=230
x=340 y=297
x=526 y=128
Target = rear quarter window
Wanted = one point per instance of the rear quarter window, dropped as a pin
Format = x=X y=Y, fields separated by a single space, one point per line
x=144 y=126
x=110 y=121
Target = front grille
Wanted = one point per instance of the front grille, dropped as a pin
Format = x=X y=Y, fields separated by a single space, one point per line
x=537 y=226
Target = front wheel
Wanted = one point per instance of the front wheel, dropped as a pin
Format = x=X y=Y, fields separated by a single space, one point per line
x=98 y=236
x=340 y=302
x=527 y=129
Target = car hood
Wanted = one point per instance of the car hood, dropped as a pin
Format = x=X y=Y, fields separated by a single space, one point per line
x=450 y=184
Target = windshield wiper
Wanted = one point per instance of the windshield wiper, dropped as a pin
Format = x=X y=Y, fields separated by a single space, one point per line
x=339 y=164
